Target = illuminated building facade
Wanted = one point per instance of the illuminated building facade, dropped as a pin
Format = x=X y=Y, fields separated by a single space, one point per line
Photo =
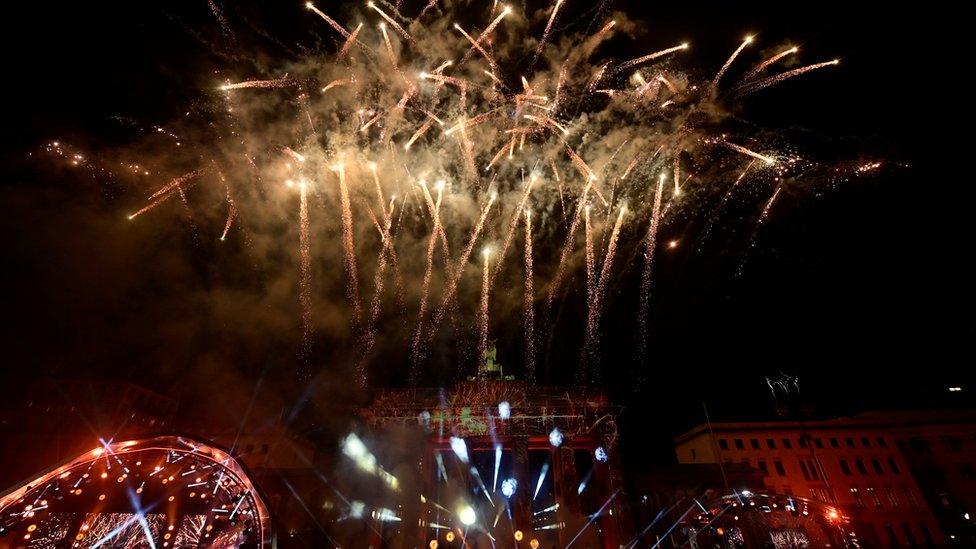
x=157 y=492
x=538 y=466
x=871 y=466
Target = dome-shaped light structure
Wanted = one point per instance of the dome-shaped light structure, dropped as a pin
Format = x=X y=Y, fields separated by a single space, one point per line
x=158 y=492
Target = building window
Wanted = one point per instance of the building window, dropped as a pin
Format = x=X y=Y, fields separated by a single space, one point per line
x=892 y=498
x=787 y=443
x=771 y=443
x=818 y=442
x=803 y=442
x=882 y=442
x=849 y=442
x=723 y=444
x=877 y=466
x=866 y=442
x=926 y=535
x=860 y=467
x=803 y=468
x=762 y=466
x=910 y=495
x=892 y=540
x=834 y=443
x=738 y=444
x=694 y=455
x=893 y=465
x=858 y=501
x=845 y=468
x=754 y=443
x=780 y=470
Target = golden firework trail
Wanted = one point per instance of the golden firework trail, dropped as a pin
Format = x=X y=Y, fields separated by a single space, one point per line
x=477 y=46
x=529 y=302
x=739 y=148
x=452 y=285
x=389 y=47
x=650 y=247
x=305 y=265
x=396 y=26
x=545 y=33
x=752 y=87
x=649 y=57
x=725 y=198
x=369 y=333
x=487 y=32
x=332 y=23
x=336 y=84
x=765 y=64
x=349 y=248
x=483 y=316
x=590 y=258
x=416 y=350
x=283 y=82
x=564 y=253
x=512 y=225
x=755 y=232
x=168 y=190
x=230 y=218
x=725 y=67
x=352 y=39
x=591 y=343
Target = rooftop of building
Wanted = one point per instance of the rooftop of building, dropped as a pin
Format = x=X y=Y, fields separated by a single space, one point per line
x=878 y=419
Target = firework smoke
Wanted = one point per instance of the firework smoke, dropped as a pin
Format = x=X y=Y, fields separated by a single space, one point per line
x=435 y=100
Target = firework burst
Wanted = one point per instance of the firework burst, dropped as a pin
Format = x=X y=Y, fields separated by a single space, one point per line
x=493 y=122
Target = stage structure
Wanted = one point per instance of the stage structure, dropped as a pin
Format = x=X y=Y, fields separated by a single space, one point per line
x=538 y=466
x=746 y=519
x=158 y=492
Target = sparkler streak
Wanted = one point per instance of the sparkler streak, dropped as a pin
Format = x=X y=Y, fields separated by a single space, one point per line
x=749 y=75
x=349 y=257
x=732 y=57
x=650 y=246
x=283 y=82
x=462 y=263
x=396 y=26
x=529 y=300
x=752 y=87
x=649 y=57
x=592 y=339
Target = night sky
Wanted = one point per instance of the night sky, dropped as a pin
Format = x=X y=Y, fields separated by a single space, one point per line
x=863 y=288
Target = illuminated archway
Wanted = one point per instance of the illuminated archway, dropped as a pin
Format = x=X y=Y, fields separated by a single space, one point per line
x=157 y=492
